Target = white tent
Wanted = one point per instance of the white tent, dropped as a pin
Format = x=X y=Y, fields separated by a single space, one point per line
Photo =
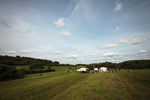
x=95 y=69
x=83 y=69
x=103 y=69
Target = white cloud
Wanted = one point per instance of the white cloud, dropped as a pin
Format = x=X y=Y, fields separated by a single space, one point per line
x=123 y=41
x=94 y=59
x=60 y=22
x=111 y=54
x=11 y=52
x=39 y=57
x=134 y=41
x=137 y=41
x=64 y=33
x=107 y=46
x=26 y=51
x=93 y=54
x=72 y=56
x=58 y=52
x=118 y=6
x=52 y=57
x=117 y=56
x=142 y=52
x=139 y=53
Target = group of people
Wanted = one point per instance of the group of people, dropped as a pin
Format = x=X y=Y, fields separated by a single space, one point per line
x=103 y=71
x=110 y=70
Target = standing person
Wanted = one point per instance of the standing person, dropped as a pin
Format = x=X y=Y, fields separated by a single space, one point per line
x=114 y=70
x=132 y=70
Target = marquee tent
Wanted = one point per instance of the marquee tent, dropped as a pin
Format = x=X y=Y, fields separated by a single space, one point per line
x=103 y=69
x=83 y=69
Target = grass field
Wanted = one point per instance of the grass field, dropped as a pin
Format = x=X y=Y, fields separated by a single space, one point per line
x=62 y=85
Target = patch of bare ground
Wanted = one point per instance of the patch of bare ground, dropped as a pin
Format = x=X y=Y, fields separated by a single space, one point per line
x=105 y=81
x=117 y=83
x=121 y=84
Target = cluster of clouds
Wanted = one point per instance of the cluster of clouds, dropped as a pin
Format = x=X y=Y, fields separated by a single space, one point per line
x=72 y=56
x=33 y=52
x=60 y=51
x=107 y=46
x=61 y=23
x=134 y=41
x=123 y=41
x=116 y=55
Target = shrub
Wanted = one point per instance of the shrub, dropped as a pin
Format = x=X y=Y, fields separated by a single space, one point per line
x=36 y=66
x=10 y=72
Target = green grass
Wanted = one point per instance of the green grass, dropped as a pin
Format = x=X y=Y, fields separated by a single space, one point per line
x=62 y=85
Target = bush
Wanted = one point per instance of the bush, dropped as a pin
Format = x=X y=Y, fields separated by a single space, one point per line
x=10 y=72
x=49 y=67
x=36 y=66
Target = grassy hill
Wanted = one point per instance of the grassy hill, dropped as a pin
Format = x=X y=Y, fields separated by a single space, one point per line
x=78 y=86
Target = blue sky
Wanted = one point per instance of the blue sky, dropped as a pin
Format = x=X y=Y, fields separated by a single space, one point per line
x=76 y=31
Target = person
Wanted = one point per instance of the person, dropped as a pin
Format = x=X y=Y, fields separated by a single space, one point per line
x=132 y=70
x=121 y=70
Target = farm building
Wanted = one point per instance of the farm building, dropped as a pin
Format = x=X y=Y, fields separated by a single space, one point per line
x=83 y=69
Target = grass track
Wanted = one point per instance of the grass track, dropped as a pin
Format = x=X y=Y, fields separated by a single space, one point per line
x=77 y=86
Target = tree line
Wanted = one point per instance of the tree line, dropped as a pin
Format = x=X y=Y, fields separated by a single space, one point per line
x=9 y=71
x=132 y=64
x=21 y=61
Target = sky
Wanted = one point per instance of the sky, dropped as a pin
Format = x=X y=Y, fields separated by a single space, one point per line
x=76 y=31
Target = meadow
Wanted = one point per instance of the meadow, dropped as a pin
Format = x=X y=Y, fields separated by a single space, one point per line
x=66 y=84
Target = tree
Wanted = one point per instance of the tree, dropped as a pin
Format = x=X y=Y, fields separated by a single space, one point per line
x=56 y=63
x=36 y=66
x=49 y=67
x=10 y=72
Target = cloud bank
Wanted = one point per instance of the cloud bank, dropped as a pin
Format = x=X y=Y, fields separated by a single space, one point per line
x=134 y=41
x=108 y=46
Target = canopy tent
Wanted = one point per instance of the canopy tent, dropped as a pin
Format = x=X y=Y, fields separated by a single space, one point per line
x=83 y=69
x=103 y=69
x=95 y=69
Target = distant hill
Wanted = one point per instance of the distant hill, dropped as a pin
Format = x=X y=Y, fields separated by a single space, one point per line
x=136 y=64
x=9 y=60
x=132 y=64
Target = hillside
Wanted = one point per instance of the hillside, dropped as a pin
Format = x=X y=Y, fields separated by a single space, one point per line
x=78 y=86
x=22 y=61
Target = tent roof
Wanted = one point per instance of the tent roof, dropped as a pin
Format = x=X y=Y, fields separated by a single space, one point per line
x=103 y=68
x=82 y=69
